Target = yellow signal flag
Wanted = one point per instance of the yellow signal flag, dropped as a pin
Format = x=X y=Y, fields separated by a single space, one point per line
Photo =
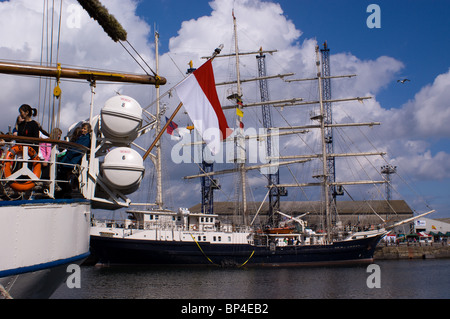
x=239 y=112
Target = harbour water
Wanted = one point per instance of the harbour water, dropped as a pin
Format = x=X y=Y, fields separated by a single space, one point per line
x=397 y=279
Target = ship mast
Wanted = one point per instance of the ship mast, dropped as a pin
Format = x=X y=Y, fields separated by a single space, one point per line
x=324 y=124
x=240 y=138
x=240 y=152
x=159 y=198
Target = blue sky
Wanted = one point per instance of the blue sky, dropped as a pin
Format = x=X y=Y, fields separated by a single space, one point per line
x=413 y=32
x=412 y=42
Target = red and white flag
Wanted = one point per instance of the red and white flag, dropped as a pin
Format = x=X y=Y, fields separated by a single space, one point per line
x=199 y=96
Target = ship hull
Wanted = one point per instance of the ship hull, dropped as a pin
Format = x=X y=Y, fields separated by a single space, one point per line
x=152 y=252
x=42 y=282
x=39 y=239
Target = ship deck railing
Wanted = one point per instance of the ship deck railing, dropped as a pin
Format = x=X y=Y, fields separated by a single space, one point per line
x=164 y=226
x=46 y=187
x=417 y=244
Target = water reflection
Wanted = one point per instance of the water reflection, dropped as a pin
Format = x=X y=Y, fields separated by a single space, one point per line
x=399 y=279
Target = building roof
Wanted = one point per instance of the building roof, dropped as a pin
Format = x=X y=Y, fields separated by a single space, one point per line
x=444 y=220
x=349 y=212
x=398 y=207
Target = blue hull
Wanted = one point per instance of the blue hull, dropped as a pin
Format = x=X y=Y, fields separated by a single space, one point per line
x=148 y=252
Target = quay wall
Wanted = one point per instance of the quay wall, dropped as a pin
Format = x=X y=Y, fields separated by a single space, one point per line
x=412 y=251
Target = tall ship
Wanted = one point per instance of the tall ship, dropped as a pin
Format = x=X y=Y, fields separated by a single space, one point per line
x=45 y=204
x=160 y=236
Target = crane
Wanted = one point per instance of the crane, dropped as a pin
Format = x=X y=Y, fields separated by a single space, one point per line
x=272 y=179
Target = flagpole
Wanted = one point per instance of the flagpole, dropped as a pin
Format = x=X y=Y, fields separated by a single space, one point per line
x=158 y=137
x=162 y=131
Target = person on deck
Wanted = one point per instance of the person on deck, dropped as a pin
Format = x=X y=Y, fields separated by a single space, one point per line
x=72 y=158
x=19 y=120
x=45 y=150
x=28 y=127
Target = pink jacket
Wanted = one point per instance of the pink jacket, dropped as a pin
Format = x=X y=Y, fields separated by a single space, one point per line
x=45 y=149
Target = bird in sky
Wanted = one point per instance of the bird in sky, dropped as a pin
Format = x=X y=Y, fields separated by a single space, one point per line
x=403 y=81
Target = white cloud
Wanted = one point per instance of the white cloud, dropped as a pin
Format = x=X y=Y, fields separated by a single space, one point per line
x=372 y=75
x=424 y=166
x=412 y=131
x=259 y=24
x=83 y=43
x=428 y=115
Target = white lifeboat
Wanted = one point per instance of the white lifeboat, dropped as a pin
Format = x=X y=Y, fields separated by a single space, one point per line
x=121 y=118
x=123 y=169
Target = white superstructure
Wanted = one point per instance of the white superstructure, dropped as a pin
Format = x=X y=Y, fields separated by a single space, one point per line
x=183 y=226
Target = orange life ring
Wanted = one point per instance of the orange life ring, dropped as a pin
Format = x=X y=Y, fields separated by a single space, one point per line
x=12 y=152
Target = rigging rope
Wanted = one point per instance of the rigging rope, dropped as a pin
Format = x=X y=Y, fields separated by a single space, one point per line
x=204 y=254
x=247 y=260
x=123 y=46
x=4 y=293
x=59 y=33
x=48 y=34
x=154 y=73
x=198 y=245
x=42 y=53
x=400 y=176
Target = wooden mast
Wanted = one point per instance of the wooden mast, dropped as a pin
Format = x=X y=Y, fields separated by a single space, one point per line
x=82 y=74
x=158 y=161
x=240 y=147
